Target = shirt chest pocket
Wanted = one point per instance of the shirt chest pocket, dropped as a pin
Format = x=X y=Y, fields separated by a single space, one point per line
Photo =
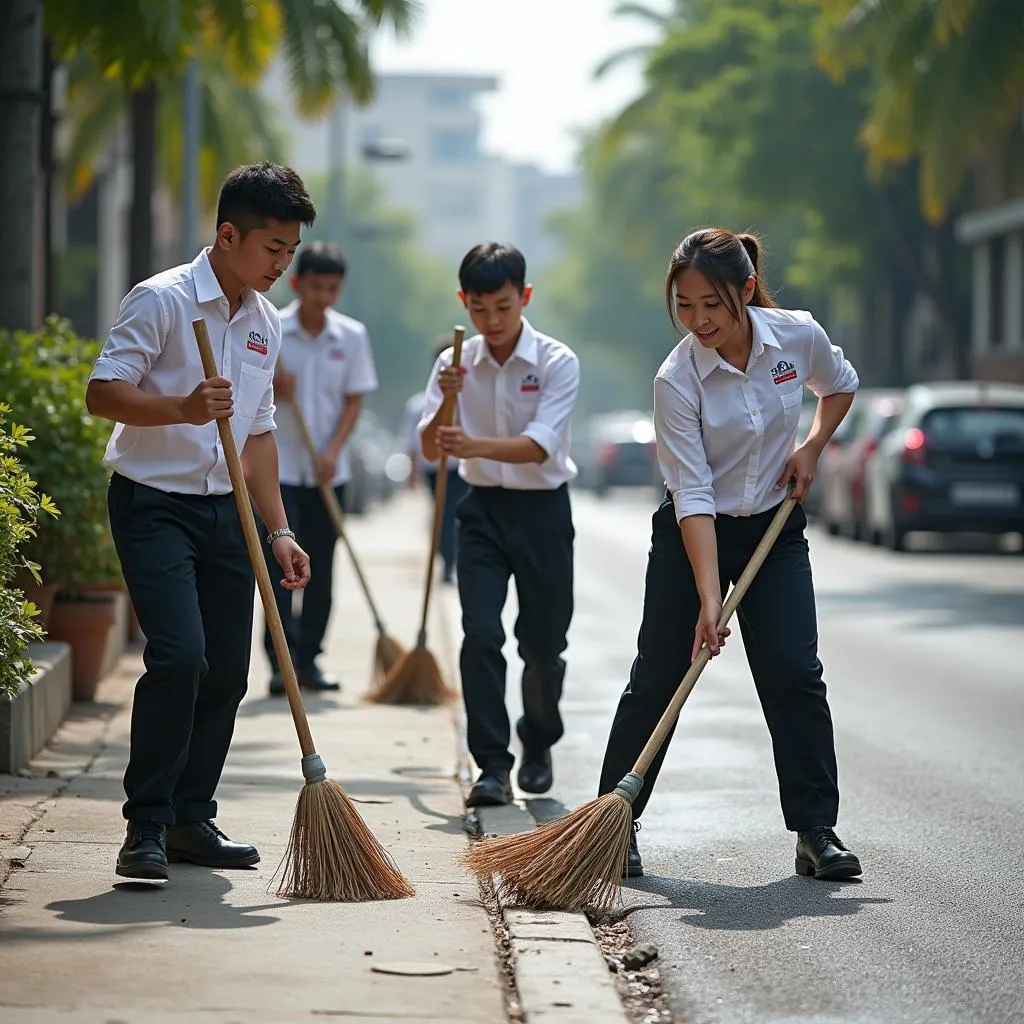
x=791 y=402
x=252 y=386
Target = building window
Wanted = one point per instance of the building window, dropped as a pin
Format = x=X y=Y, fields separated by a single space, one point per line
x=996 y=291
x=453 y=146
x=456 y=203
x=451 y=97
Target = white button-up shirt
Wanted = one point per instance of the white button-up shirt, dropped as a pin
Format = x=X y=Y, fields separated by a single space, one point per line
x=724 y=435
x=329 y=368
x=532 y=395
x=152 y=345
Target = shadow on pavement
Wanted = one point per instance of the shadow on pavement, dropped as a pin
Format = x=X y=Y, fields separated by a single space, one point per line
x=719 y=907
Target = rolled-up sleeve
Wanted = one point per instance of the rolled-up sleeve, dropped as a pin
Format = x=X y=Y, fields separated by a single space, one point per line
x=136 y=339
x=681 y=455
x=560 y=387
x=434 y=396
x=829 y=371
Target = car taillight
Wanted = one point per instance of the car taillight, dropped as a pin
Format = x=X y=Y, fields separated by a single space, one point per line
x=914 y=446
x=607 y=453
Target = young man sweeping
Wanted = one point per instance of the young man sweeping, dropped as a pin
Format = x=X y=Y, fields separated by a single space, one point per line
x=173 y=515
x=326 y=368
x=516 y=388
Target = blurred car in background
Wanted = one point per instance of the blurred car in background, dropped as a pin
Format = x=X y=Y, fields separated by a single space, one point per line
x=616 y=449
x=372 y=445
x=843 y=508
x=953 y=461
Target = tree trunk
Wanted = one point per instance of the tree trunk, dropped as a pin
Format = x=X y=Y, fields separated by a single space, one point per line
x=143 y=141
x=21 y=101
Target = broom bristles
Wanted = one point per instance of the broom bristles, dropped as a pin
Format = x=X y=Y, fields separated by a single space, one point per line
x=415 y=679
x=570 y=863
x=332 y=856
x=387 y=654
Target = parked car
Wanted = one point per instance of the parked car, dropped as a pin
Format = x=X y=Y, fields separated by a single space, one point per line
x=954 y=461
x=617 y=450
x=371 y=447
x=872 y=416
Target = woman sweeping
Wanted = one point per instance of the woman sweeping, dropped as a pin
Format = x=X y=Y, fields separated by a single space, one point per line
x=726 y=405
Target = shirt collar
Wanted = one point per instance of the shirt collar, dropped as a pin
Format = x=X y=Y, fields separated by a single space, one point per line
x=333 y=324
x=708 y=359
x=526 y=347
x=208 y=288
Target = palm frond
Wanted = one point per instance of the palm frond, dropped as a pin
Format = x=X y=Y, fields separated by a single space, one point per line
x=95 y=106
x=401 y=15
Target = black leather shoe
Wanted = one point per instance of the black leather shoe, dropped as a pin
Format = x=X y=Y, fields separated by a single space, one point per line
x=311 y=678
x=492 y=789
x=820 y=852
x=535 y=775
x=277 y=685
x=634 y=866
x=144 y=851
x=203 y=843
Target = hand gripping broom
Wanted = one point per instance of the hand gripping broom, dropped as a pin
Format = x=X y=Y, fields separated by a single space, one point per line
x=576 y=861
x=331 y=855
x=417 y=679
x=388 y=651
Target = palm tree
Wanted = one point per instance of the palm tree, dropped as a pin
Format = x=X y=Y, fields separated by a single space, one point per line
x=324 y=44
x=949 y=84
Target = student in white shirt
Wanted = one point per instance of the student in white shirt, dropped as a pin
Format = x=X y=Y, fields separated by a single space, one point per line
x=326 y=366
x=455 y=486
x=726 y=406
x=173 y=515
x=516 y=389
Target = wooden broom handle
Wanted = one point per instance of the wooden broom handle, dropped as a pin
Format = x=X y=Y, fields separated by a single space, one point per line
x=447 y=414
x=333 y=507
x=255 y=548
x=732 y=602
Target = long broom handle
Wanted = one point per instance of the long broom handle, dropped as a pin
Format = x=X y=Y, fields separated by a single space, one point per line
x=334 y=509
x=447 y=413
x=737 y=594
x=252 y=542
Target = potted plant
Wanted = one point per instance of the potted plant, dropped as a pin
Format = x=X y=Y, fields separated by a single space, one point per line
x=45 y=374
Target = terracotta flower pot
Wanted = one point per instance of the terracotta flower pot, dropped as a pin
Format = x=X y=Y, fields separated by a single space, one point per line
x=84 y=624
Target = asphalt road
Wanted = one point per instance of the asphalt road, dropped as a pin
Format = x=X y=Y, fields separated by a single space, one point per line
x=924 y=658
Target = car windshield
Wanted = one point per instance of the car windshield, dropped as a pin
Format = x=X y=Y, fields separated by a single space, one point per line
x=975 y=424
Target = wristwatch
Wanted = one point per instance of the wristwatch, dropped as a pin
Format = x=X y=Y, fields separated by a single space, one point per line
x=277 y=534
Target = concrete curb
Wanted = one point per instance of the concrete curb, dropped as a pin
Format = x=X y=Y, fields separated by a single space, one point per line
x=561 y=974
x=29 y=720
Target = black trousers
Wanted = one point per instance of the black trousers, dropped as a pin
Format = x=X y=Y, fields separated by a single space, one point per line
x=314 y=531
x=189 y=577
x=527 y=535
x=455 y=490
x=779 y=627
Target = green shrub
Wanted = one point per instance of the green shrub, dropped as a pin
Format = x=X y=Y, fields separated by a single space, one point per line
x=20 y=505
x=43 y=375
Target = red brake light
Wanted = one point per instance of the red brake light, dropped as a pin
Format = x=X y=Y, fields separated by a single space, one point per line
x=914 y=446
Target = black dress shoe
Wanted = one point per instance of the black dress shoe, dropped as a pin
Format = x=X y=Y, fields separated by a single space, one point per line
x=311 y=678
x=144 y=851
x=535 y=774
x=277 y=685
x=820 y=852
x=492 y=789
x=634 y=866
x=203 y=843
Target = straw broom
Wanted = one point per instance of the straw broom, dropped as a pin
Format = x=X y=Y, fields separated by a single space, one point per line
x=331 y=854
x=576 y=861
x=417 y=679
x=388 y=652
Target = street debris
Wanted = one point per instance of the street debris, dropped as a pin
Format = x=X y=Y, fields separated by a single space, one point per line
x=636 y=975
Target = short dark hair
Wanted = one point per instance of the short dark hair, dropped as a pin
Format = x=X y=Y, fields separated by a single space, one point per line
x=490 y=266
x=728 y=261
x=321 y=258
x=255 y=193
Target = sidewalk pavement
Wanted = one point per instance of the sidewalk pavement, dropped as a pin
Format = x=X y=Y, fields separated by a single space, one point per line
x=217 y=947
